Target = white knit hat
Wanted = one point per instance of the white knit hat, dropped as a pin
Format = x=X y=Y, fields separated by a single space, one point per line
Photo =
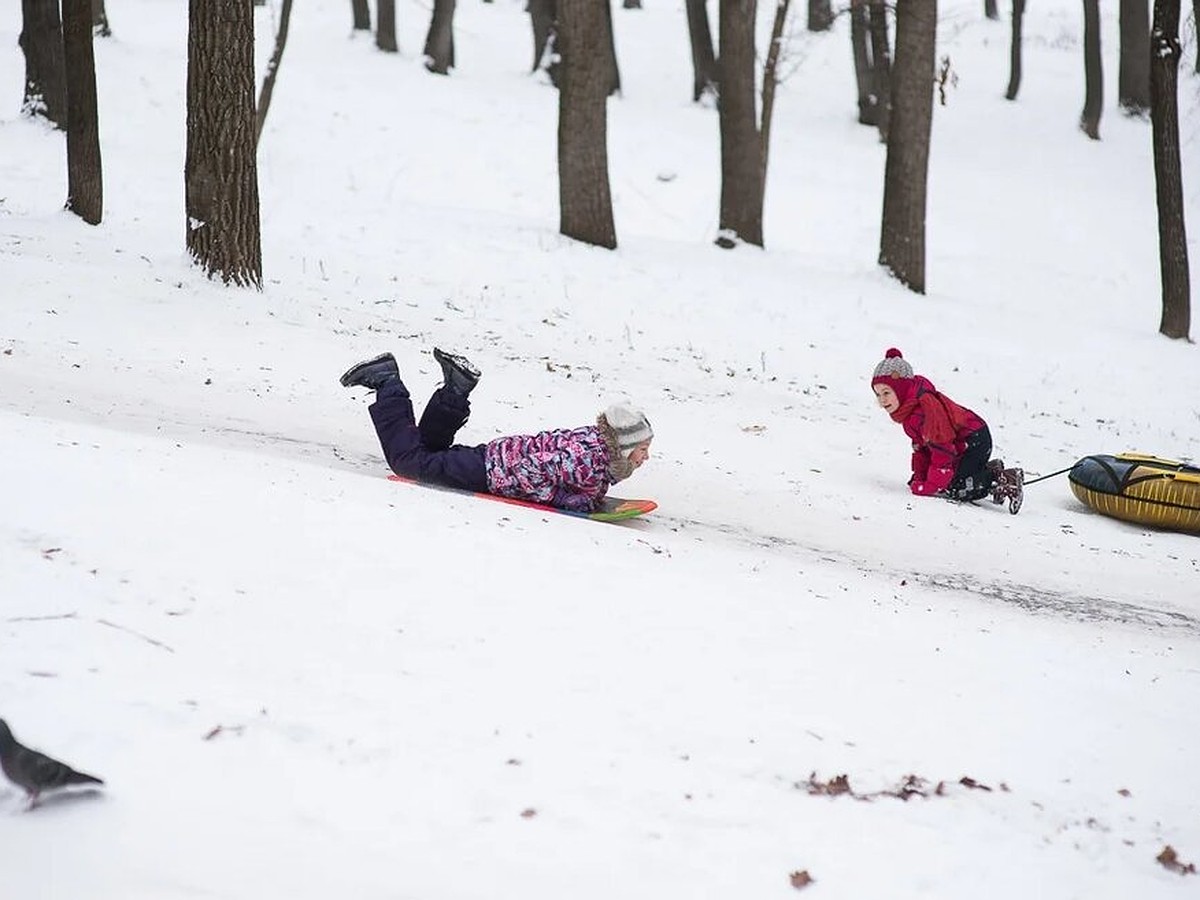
x=630 y=426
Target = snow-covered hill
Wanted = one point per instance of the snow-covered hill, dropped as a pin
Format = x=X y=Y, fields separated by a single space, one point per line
x=301 y=680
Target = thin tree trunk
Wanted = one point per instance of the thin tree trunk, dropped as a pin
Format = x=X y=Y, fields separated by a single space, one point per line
x=1093 y=101
x=85 y=181
x=1014 y=50
x=881 y=66
x=991 y=9
x=41 y=41
x=385 y=26
x=902 y=240
x=585 y=200
x=741 y=150
x=542 y=16
x=361 y=11
x=268 y=86
x=1168 y=170
x=220 y=170
x=439 y=42
x=704 y=60
x=1133 y=75
x=820 y=15
x=100 y=19
x=860 y=47
x=770 y=80
x=614 y=71
x=1196 y=32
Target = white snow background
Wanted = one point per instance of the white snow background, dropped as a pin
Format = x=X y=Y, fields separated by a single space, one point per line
x=300 y=680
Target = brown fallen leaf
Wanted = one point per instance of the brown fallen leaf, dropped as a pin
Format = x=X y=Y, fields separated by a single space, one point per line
x=1169 y=860
x=800 y=879
x=968 y=781
x=528 y=813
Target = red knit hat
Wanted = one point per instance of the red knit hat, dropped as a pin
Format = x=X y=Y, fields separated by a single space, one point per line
x=896 y=372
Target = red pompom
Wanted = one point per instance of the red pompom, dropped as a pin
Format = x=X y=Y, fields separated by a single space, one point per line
x=893 y=353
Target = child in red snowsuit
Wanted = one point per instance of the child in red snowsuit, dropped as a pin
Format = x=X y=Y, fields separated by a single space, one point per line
x=951 y=444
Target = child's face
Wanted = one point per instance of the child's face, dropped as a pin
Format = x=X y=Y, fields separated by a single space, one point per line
x=887 y=397
x=639 y=454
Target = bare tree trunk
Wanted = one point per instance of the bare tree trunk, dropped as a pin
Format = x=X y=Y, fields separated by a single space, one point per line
x=268 y=87
x=385 y=26
x=100 y=19
x=41 y=41
x=1168 y=170
x=881 y=66
x=585 y=200
x=820 y=15
x=770 y=81
x=439 y=42
x=868 y=113
x=741 y=152
x=902 y=241
x=1196 y=28
x=704 y=60
x=991 y=9
x=614 y=72
x=220 y=171
x=543 y=15
x=1093 y=101
x=1014 y=50
x=1133 y=75
x=85 y=180
x=361 y=11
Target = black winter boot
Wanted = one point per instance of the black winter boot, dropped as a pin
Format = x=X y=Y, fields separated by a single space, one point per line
x=457 y=372
x=373 y=373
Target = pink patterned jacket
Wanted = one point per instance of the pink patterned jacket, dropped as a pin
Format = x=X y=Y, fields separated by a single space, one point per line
x=567 y=468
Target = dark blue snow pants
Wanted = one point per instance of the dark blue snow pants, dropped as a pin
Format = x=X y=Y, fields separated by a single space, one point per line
x=972 y=480
x=425 y=451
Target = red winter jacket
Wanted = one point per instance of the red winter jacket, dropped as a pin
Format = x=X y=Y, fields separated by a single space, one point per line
x=938 y=428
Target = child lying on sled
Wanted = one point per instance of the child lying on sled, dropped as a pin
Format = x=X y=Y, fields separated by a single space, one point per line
x=567 y=468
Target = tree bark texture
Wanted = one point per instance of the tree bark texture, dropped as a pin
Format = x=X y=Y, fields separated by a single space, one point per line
x=741 y=213
x=220 y=171
x=268 y=86
x=1133 y=74
x=1014 y=50
x=1093 y=71
x=881 y=66
x=860 y=47
x=41 y=41
x=1168 y=170
x=902 y=240
x=820 y=15
x=385 y=26
x=704 y=60
x=85 y=180
x=585 y=200
x=361 y=11
x=439 y=42
x=100 y=26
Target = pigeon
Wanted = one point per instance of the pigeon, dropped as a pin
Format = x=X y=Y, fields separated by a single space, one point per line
x=35 y=772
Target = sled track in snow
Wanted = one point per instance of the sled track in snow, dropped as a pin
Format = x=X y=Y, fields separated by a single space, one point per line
x=1038 y=601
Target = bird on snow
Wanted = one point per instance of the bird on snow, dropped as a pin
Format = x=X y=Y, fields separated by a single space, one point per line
x=35 y=772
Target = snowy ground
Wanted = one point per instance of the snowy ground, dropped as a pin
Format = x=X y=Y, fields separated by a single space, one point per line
x=300 y=680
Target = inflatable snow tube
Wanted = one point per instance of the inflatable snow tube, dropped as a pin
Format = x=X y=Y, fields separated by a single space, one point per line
x=1146 y=490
